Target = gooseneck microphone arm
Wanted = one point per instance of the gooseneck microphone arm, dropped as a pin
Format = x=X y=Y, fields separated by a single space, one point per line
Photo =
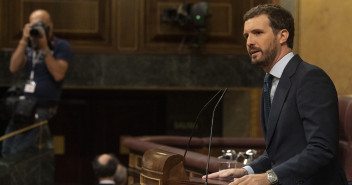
x=195 y=123
x=211 y=137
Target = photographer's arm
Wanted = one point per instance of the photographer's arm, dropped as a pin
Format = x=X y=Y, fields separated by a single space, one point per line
x=57 y=68
x=18 y=58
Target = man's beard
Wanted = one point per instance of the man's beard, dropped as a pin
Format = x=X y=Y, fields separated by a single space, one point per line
x=267 y=57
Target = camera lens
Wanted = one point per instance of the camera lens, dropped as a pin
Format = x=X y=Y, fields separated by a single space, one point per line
x=35 y=32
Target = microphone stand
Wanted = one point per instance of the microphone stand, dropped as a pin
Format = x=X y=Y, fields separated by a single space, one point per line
x=195 y=123
x=211 y=137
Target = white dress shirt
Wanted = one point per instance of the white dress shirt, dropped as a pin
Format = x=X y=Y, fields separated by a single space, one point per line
x=106 y=182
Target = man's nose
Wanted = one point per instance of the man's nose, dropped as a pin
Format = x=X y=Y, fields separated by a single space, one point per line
x=250 y=40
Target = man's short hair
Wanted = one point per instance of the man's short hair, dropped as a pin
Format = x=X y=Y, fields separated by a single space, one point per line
x=279 y=19
x=105 y=170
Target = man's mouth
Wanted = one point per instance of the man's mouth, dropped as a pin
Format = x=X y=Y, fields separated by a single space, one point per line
x=254 y=51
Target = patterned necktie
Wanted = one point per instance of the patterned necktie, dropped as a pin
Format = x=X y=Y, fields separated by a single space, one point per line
x=267 y=102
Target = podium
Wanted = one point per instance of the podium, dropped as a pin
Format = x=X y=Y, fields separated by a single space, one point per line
x=165 y=168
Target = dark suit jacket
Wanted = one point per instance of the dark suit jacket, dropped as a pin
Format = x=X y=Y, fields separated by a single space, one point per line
x=301 y=134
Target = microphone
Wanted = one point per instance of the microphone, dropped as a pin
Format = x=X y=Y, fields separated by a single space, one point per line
x=196 y=121
x=211 y=137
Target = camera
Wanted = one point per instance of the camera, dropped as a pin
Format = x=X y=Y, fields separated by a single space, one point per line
x=187 y=15
x=38 y=29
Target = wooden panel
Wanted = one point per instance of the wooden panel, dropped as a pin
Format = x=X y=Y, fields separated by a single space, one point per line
x=130 y=26
x=128 y=20
x=68 y=20
x=11 y=19
x=223 y=12
x=223 y=32
x=1 y=30
x=85 y=23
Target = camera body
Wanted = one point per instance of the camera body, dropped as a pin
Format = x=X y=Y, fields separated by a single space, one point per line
x=39 y=29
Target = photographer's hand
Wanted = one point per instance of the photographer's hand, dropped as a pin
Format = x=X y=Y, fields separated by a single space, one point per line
x=25 y=32
x=18 y=59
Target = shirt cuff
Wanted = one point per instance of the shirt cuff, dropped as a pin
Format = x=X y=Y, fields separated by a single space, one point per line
x=249 y=169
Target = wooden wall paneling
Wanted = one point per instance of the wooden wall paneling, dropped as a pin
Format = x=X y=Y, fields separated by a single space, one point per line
x=85 y=23
x=11 y=23
x=1 y=17
x=128 y=25
x=142 y=25
x=225 y=27
x=158 y=36
x=1 y=24
x=125 y=26
x=224 y=30
x=150 y=23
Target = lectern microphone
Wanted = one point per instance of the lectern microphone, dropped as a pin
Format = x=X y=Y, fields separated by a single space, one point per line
x=211 y=136
x=196 y=121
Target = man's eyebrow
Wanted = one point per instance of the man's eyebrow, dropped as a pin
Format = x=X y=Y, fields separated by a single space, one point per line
x=257 y=30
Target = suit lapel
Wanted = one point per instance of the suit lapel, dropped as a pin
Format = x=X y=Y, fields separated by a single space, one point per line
x=280 y=97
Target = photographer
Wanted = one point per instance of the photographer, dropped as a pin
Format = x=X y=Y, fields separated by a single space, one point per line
x=45 y=59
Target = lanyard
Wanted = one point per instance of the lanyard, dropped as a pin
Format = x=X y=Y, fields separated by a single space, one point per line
x=35 y=59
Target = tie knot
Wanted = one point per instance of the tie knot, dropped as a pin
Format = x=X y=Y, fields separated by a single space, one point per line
x=268 y=78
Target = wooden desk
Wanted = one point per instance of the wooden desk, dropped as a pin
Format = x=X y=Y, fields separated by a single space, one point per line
x=161 y=167
x=195 y=162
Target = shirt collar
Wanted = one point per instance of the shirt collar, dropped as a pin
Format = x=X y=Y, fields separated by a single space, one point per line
x=279 y=67
x=106 y=182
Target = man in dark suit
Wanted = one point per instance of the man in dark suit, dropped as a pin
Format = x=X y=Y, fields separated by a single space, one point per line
x=299 y=112
x=108 y=169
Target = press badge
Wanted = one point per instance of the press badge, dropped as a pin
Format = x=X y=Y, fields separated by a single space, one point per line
x=30 y=87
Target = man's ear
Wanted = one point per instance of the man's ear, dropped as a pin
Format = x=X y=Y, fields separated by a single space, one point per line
x=283 y=36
